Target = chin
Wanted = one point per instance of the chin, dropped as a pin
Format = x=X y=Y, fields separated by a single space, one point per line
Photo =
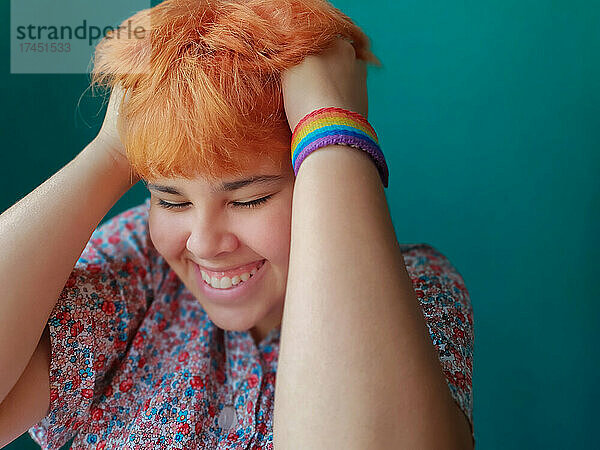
x=231 y=321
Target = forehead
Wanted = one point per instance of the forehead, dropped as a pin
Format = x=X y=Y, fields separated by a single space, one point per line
x=171 y=185
x=265 y=173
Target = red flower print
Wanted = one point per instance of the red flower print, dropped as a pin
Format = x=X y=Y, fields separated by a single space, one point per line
x=183 y=428
x=252 y=380
x=63 y=317
x=77 y=314
x=130 y=226
x=459 y=380
x=211 y=411
x=94 y=268
x=250 y=407
x=142 y=272
x=194 y=334
x=114 y=239
x=108 y=307
x=97 y=242
x=162 y=325
x=141 y=362
x=220 y=376
x=183 y=356
x=198 y=427
x=126 y=385
x=101 y=446
x=197 y=382
x=270 y=378
x=87 y=393
x=120 y=345
x=99 y=363
x=129 y=267
x=138 y=341
x=53 y=395
x=108 y=392
x=97 y=414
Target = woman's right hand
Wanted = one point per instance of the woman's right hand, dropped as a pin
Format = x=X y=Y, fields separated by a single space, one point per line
x=109 y=132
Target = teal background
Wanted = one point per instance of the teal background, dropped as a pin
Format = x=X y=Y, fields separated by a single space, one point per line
x=488 y=115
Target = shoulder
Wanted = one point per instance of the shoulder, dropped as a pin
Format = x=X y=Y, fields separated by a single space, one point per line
x=132 y=219
x=127 y=230
x=447 y=309
x=424 y=256
x=431 y=270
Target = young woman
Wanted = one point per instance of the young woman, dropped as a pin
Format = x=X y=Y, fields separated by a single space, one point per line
x=248 y=263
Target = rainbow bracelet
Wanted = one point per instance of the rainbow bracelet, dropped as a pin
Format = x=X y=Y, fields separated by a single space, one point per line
x=333 y=125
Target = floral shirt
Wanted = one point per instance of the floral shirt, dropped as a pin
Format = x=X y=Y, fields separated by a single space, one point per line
x=137 y=363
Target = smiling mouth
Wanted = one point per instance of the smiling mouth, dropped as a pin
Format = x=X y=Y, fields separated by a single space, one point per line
x=229 y=282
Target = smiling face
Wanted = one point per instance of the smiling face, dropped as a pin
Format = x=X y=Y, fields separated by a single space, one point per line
x=199 y=224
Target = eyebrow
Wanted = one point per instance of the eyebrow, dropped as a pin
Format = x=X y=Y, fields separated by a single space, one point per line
x=225 y=186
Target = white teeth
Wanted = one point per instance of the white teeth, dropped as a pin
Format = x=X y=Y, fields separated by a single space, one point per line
x=226 y=282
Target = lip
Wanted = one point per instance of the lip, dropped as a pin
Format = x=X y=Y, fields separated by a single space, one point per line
x=240 y=269
x=233 y=295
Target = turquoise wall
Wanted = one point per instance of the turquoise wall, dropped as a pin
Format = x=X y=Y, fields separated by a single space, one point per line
x=488 y=114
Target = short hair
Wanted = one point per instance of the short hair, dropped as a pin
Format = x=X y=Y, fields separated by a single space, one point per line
x=209 y=101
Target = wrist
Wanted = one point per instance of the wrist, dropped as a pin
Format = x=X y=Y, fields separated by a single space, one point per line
x=115 y=160
x=334 y=125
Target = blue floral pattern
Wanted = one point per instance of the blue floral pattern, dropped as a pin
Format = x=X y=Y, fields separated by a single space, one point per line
x=137 y=363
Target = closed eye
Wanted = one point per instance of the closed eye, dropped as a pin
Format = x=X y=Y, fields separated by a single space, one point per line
x=168 y=205
x=251 y=204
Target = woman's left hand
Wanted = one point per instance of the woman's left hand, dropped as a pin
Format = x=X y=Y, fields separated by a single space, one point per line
x=334 y=77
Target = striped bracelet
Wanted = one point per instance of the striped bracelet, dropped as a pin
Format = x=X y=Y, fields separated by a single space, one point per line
x=332 y=125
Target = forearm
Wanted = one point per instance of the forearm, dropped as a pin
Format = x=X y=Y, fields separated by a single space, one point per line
x=41 y=238
x=356 y=367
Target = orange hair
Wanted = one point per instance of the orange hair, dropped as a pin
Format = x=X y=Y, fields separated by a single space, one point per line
x=203 y=83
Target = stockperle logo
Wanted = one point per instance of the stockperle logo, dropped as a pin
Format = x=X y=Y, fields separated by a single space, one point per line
x=60 y=36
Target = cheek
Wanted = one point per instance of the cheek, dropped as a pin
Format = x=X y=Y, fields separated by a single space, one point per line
x=276 y=236
x=167 y=234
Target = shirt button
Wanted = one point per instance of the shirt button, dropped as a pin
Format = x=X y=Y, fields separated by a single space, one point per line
x=227 y=417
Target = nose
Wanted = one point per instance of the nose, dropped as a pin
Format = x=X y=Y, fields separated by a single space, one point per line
x=209 y=239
